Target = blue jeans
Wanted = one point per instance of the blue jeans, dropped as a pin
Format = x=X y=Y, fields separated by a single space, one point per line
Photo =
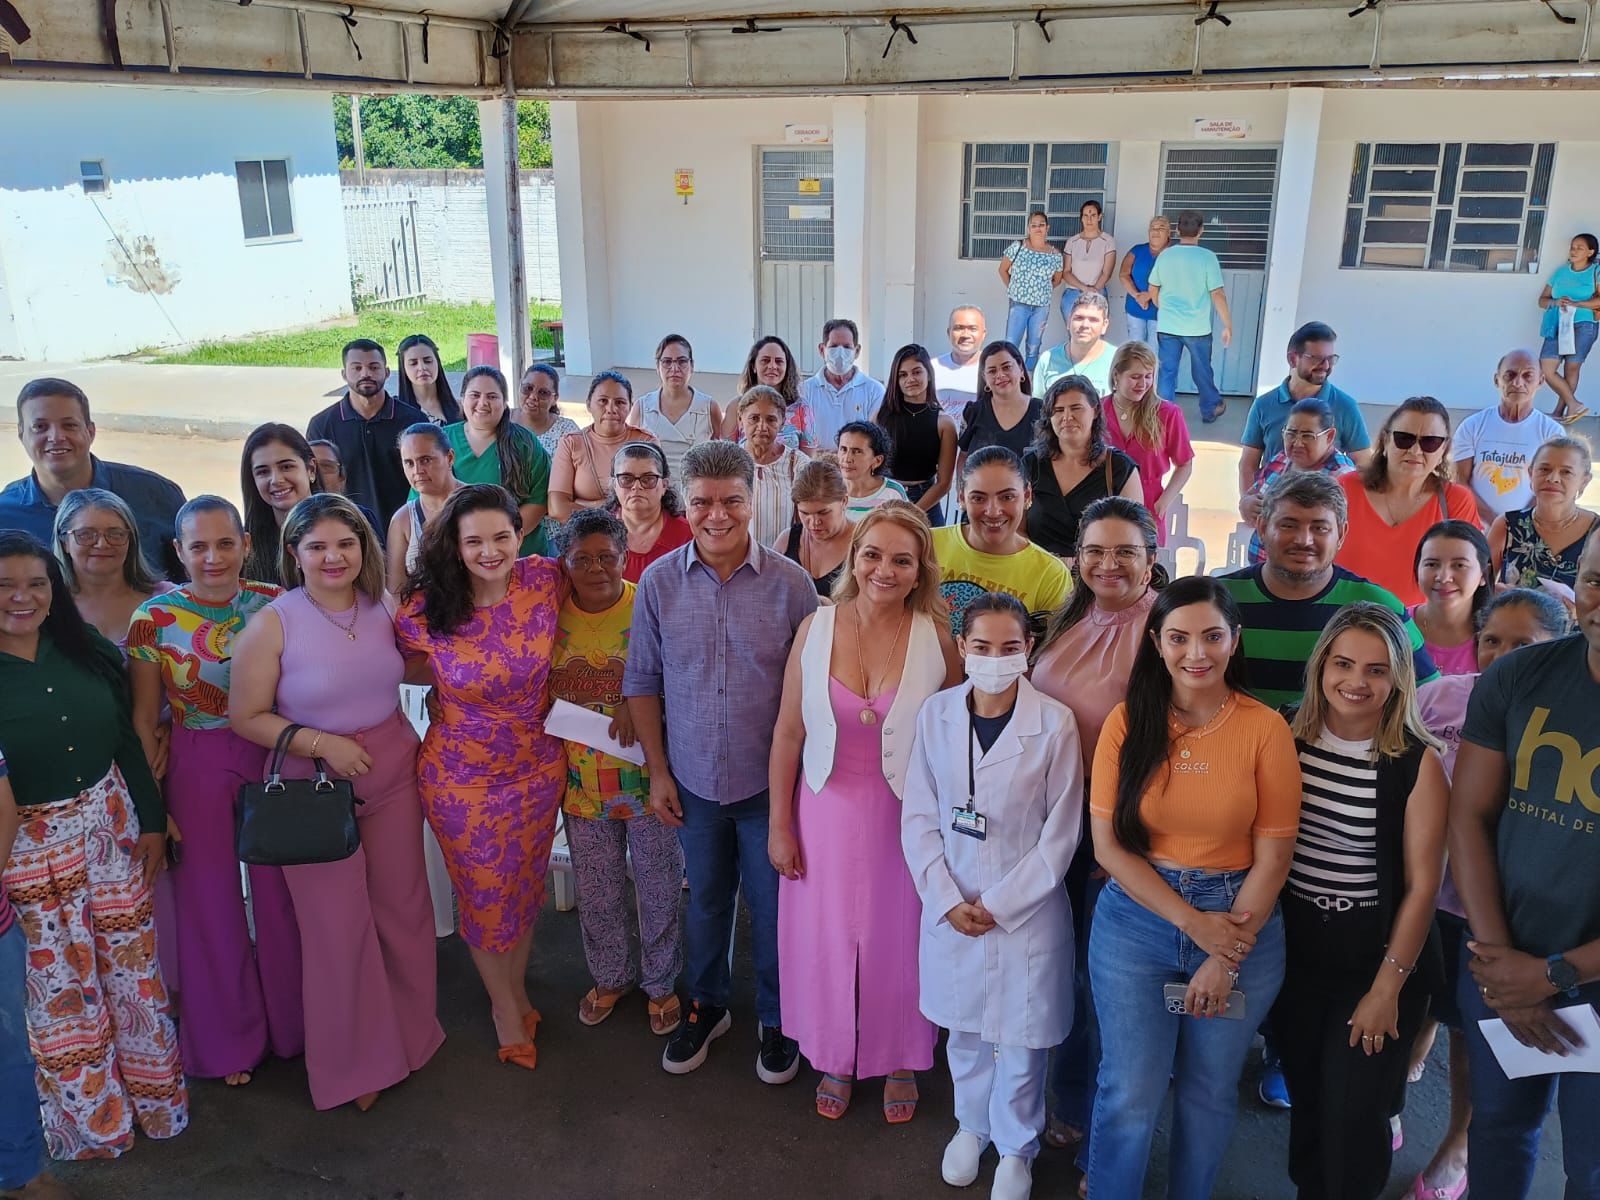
x=1503 y=1140
x=1069 y=297
x=724 y=856
x=1141 y=329
x=1133 y=955
x=21 y=1138
x=916 y=491
x=1025 y=328
x=1170 y=348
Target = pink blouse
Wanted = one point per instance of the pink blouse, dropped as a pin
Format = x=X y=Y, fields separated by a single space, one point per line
x=1087 y=667
x=1173 y=450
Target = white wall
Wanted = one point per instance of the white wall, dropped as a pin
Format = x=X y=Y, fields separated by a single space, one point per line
x=174 y=203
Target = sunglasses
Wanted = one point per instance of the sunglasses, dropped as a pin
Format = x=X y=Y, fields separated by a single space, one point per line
x=1428 y=441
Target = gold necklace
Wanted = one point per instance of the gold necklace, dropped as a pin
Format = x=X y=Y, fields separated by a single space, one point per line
x=868 y=717
x=349 y=630
x=1180 y=731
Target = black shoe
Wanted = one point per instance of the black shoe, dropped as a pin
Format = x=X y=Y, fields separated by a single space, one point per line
x=702 y=1025
x=779 y=1060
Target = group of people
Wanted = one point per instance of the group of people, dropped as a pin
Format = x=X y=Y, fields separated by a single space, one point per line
x=1002 y=777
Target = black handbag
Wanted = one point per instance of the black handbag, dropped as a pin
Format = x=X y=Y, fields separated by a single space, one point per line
x=293 y=822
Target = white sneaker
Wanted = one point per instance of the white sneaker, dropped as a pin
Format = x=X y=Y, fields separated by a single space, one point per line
x=960 y=1166
x=1013 y=1179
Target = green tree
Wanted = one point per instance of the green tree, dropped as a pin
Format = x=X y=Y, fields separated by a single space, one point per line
x=434 y=132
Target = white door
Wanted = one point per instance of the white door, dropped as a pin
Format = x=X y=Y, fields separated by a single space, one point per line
x=794 y=269
x=1233 y=187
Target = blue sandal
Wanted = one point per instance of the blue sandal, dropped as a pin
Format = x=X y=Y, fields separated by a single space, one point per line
x=830 y=1106
x=898 y=1112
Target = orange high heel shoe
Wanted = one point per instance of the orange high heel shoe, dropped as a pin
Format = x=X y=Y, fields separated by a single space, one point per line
x=523 y=1054
x=530 y=1022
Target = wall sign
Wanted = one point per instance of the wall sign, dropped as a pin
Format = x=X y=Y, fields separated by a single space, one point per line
x=1220 y=129
x=808 y=135
x=683 y=182
x=810 y=187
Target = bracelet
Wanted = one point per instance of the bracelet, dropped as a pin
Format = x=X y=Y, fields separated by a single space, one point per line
x=315 y=742
x=1404 y=970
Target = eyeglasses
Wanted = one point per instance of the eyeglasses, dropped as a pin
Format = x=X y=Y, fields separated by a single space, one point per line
x=583 y=562
x=1125 y=556
x=672 y=364
x=1302 y=435
x=647 y=481
x=1428 y=441
x=111 y=537
x=1319 y=360
x=539 y=393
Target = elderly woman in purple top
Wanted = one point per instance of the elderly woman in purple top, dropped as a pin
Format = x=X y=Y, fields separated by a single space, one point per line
x=712 y=626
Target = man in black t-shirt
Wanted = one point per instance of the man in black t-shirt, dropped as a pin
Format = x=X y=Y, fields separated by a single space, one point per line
x=1525 y=854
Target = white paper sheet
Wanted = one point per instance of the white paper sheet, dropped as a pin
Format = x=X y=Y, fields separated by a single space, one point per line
x=589 y=728
x=1566 y=337
x=1517 y=1060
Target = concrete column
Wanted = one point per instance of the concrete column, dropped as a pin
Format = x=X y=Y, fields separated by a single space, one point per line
x=1291 y=218
x=577 y=150
x=497 y=126
x=852 y=173
x=894 y=299
x=1138 y=184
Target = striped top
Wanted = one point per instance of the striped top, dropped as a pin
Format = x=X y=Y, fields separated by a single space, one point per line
x=1336 y=852
x=1280 y=634
x=8 y=916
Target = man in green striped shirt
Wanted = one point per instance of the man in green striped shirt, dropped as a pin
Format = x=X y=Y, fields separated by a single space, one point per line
x=1288 y=600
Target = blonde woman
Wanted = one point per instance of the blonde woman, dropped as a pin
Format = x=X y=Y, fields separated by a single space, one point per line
x=1149 y=430
x=1363 y=955
x=848 y=912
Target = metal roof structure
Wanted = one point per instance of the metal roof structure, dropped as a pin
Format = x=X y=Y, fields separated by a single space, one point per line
x=622 y=48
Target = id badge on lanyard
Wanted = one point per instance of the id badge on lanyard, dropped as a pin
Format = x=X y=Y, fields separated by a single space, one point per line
x=968 y=821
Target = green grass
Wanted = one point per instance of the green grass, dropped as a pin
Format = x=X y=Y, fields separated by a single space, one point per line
x=447 y=324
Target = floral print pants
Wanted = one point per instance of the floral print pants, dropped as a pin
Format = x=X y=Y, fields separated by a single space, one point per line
x=601 y=849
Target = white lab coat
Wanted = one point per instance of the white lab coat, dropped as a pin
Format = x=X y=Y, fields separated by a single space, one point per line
x=1011 y=986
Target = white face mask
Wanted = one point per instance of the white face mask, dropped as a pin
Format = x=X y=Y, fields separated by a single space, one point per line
x=995 y=675
x=840 y=358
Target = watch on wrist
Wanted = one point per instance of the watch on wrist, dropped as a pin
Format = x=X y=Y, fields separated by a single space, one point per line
x=1562 y=975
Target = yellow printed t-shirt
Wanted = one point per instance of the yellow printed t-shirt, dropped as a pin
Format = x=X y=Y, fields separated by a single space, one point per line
x=1039 y=579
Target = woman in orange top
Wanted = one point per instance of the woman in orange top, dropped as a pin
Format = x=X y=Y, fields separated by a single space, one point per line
x=1195 y=803
x=1400 y=494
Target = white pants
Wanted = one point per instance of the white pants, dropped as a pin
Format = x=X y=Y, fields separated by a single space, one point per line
x=999 y=1092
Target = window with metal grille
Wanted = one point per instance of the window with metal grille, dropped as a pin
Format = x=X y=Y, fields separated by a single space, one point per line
x=1231 y=187
x=1002 y=181
x=264 y=201
x=92 y=177
x=1447 y=206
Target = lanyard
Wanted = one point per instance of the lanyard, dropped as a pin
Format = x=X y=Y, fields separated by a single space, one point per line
x=972 y=774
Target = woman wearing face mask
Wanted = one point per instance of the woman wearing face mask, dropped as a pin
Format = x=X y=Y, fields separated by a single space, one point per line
x=491 y=778
x=1513 y=619
x=1006 y=412
x=922 y=439
x=649 y=506
x=1358 y=910
x=1454 y=573
x=579 y=478
x=1070 y=466
x=1400 y=494
x=539 y=407
x=278 y=471
x=819 y=540
x=1195 y=805
x=491 y=448
x=423 y=382
x=677 y=414
x=993 y=813
x=864 y=451
x=1149 y=430
x=777 y=466
x=429 y=464
x=238 y=1001
x=990 y=553
x=847 y=910
x=770 y=364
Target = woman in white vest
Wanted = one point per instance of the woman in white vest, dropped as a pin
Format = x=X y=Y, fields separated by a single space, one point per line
x=993 y=813
x=847 y=910
x=677 y=413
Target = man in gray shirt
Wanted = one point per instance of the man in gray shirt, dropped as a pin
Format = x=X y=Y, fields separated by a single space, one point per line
x=712 y=625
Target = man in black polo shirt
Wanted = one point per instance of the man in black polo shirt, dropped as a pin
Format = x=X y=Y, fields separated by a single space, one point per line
x=366 y=426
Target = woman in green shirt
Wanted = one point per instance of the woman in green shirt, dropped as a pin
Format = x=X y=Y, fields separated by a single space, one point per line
x=92 y=837
x=492 y=448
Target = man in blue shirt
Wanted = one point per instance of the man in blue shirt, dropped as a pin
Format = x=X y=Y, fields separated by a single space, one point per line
x=1311 y=362
x=53 y=425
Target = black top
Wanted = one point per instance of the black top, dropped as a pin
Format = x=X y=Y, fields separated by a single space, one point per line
x=1053 y=518
x=370 y=451
x=980 y=427
x=914 y=442
x=988 y=729
x=823 y=583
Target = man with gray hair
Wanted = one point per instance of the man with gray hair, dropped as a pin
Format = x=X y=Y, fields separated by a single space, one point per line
x=1085 y=352
x=712 y=625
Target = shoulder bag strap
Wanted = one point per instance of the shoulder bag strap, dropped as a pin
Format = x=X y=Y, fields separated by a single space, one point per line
x=281 y=749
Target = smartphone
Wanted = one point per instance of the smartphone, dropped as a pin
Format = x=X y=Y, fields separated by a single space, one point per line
x=1176 y=992
x=174 y=852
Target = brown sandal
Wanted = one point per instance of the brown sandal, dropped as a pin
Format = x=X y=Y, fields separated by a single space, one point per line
x=596 y=1005
x=666 y=1014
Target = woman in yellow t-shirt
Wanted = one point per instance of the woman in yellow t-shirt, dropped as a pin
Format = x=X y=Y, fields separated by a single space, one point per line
x=990 y=553
x=607 y=801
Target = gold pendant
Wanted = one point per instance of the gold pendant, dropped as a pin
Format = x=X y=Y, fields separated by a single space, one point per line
x=1183 y=754
x=868 y=717
x=351 y=636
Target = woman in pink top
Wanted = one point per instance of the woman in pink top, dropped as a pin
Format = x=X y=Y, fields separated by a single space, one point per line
x=1084 y=660
x=323 y=656
x=1513 y=619
x=1454 y=575
x=1149 y=430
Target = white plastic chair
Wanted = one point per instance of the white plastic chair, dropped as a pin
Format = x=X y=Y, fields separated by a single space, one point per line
x=1179 y=538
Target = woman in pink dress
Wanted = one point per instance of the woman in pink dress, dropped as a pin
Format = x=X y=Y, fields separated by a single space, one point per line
x=1150 y=430
x=323 y=656
x=848 y=911
x=492 y=779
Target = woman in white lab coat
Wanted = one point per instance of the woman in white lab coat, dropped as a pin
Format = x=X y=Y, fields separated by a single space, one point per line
x=993 y=813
